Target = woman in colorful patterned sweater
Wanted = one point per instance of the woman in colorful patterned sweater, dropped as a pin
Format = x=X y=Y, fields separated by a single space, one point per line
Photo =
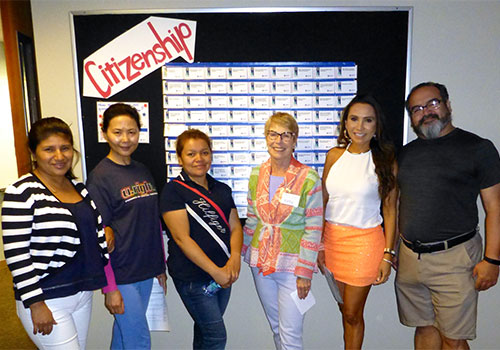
x=283 y=230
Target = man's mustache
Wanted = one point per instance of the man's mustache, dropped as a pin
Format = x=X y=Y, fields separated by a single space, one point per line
x=427 y=117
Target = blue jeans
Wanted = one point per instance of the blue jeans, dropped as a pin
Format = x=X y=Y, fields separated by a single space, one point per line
x=206 y=312
x=131 y=330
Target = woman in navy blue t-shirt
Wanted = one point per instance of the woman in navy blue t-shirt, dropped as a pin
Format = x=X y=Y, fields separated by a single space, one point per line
x=206 y=238
x=126 y=196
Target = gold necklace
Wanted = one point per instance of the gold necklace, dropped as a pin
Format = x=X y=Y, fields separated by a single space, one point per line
x=45 y=182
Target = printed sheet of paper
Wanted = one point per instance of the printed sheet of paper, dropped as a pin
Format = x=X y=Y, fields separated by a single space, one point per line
x=157 y=312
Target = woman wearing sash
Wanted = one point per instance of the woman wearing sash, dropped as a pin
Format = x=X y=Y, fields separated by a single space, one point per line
x=283 y=230
x=359 y=176
x=206 y=237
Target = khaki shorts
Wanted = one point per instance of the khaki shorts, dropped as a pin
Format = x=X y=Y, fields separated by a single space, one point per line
x=438 y=289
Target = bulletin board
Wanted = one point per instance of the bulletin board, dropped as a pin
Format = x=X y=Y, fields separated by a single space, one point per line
x=376 y=40
x=231 y=103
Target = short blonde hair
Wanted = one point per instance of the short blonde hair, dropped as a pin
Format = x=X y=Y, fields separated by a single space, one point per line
x=285 y=120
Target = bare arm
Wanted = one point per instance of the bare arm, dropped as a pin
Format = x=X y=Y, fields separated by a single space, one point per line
x=110 y=238
x=389 y=211
x=332 y=156
x=487 y=273
x=234 y=262
x=178 y=225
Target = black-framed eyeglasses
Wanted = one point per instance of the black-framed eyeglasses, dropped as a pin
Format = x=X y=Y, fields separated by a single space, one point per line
x=433 y=105
x=286 y=136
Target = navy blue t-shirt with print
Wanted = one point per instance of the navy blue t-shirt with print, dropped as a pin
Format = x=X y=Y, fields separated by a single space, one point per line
x=174 y=197
x=127 y=199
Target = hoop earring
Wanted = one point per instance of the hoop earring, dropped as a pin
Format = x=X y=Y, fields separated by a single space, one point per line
x=345 y=134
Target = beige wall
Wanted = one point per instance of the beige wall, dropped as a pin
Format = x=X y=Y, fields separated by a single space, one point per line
x=8 y=174
x=454 y=42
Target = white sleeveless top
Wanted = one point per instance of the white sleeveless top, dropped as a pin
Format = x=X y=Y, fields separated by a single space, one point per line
x=352 y=187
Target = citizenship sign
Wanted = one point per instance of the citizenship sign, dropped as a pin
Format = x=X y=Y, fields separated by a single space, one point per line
x=136 y=53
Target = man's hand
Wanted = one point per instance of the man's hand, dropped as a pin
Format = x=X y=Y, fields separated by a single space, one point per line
x=486 y=275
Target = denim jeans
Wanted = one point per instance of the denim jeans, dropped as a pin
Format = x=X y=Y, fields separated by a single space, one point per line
x=206 y=312
x=131 y=330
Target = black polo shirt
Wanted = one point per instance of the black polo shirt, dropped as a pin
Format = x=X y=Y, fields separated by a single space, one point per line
x=174 y=197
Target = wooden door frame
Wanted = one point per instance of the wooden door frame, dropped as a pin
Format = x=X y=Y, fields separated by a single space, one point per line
x=16 y=18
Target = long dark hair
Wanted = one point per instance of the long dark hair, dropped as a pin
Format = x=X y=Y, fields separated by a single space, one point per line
x=46 y=127
x=381 y=147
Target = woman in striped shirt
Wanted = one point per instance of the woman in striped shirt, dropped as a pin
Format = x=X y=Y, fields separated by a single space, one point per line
x=54 y=243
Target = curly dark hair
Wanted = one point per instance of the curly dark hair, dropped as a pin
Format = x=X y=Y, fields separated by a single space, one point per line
x=382 y=148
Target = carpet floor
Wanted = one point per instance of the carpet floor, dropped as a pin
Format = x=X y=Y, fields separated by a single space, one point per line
x=12 y=334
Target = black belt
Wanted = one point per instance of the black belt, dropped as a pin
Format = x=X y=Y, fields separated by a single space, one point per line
x=419 y=247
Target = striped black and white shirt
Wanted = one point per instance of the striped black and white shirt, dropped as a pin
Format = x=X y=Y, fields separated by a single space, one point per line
x=40 y=235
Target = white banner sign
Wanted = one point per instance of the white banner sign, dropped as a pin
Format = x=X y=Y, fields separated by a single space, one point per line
x=136 y=53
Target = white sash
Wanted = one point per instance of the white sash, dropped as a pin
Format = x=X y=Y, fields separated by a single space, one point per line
x=209 y=230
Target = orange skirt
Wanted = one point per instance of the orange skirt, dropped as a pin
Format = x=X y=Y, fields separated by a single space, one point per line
x=353 y=254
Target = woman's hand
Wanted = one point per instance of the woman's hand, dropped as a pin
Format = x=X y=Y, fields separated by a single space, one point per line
x=162 y=281
x=114 y=302
x=110 y=238
x=42 y=318
x=384 y=270
x=321 y=261
x=222 y=275
x=303 y=287
x=233 y=266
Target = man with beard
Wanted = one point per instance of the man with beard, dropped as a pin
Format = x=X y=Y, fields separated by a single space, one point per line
x=441 y=266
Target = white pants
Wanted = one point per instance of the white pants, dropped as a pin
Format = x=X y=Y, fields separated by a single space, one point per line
x=284 y=318
x=72 y=315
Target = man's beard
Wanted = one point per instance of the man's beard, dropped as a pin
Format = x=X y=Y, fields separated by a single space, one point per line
x=432 y=130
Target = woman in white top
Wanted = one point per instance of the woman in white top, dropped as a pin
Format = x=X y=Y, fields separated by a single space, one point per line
x=359 y=176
